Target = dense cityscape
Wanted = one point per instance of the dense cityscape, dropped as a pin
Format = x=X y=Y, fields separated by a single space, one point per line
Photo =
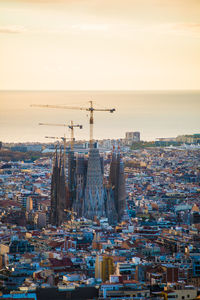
x=99 y=150
x=116 y=220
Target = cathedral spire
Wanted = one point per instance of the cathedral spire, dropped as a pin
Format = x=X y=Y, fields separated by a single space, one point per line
x=58 y=191
x=94 y=192
x=117 y=181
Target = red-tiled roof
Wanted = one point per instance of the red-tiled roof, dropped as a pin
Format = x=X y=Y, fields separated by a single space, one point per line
x=61 y=262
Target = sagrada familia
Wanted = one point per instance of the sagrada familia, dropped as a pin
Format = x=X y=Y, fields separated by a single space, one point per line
x=86 y=191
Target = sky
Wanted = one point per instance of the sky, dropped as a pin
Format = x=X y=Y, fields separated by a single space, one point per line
x=99 y=45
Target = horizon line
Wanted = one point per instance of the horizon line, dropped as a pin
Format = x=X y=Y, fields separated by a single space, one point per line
x=101 y=90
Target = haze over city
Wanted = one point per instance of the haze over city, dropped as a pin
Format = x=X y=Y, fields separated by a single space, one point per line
x=154 y=114
x=84 y=45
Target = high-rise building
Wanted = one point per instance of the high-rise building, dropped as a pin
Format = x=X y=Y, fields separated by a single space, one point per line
x=132 y=137
x=40 y=219
x=58 y=191
x=29 y=204
x=104 y=267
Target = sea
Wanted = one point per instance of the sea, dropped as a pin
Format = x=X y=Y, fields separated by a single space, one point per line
x=154 y=114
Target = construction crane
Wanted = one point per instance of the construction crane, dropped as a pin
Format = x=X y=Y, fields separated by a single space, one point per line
x=71 y=127
x=55 y=137
x=91 y=109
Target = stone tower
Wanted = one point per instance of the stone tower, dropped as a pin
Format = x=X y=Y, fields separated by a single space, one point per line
x=94 y=204
x=113 y=163
x=121 y=188
x=117 y=182
x=111 y=212
x=71 y=177
x=58 y=191
x=81 y=171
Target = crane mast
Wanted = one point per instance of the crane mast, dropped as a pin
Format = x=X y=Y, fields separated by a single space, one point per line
x=71 y=127
x=91 y=124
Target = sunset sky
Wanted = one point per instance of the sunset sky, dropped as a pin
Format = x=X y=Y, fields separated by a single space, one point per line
x=99 y=44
